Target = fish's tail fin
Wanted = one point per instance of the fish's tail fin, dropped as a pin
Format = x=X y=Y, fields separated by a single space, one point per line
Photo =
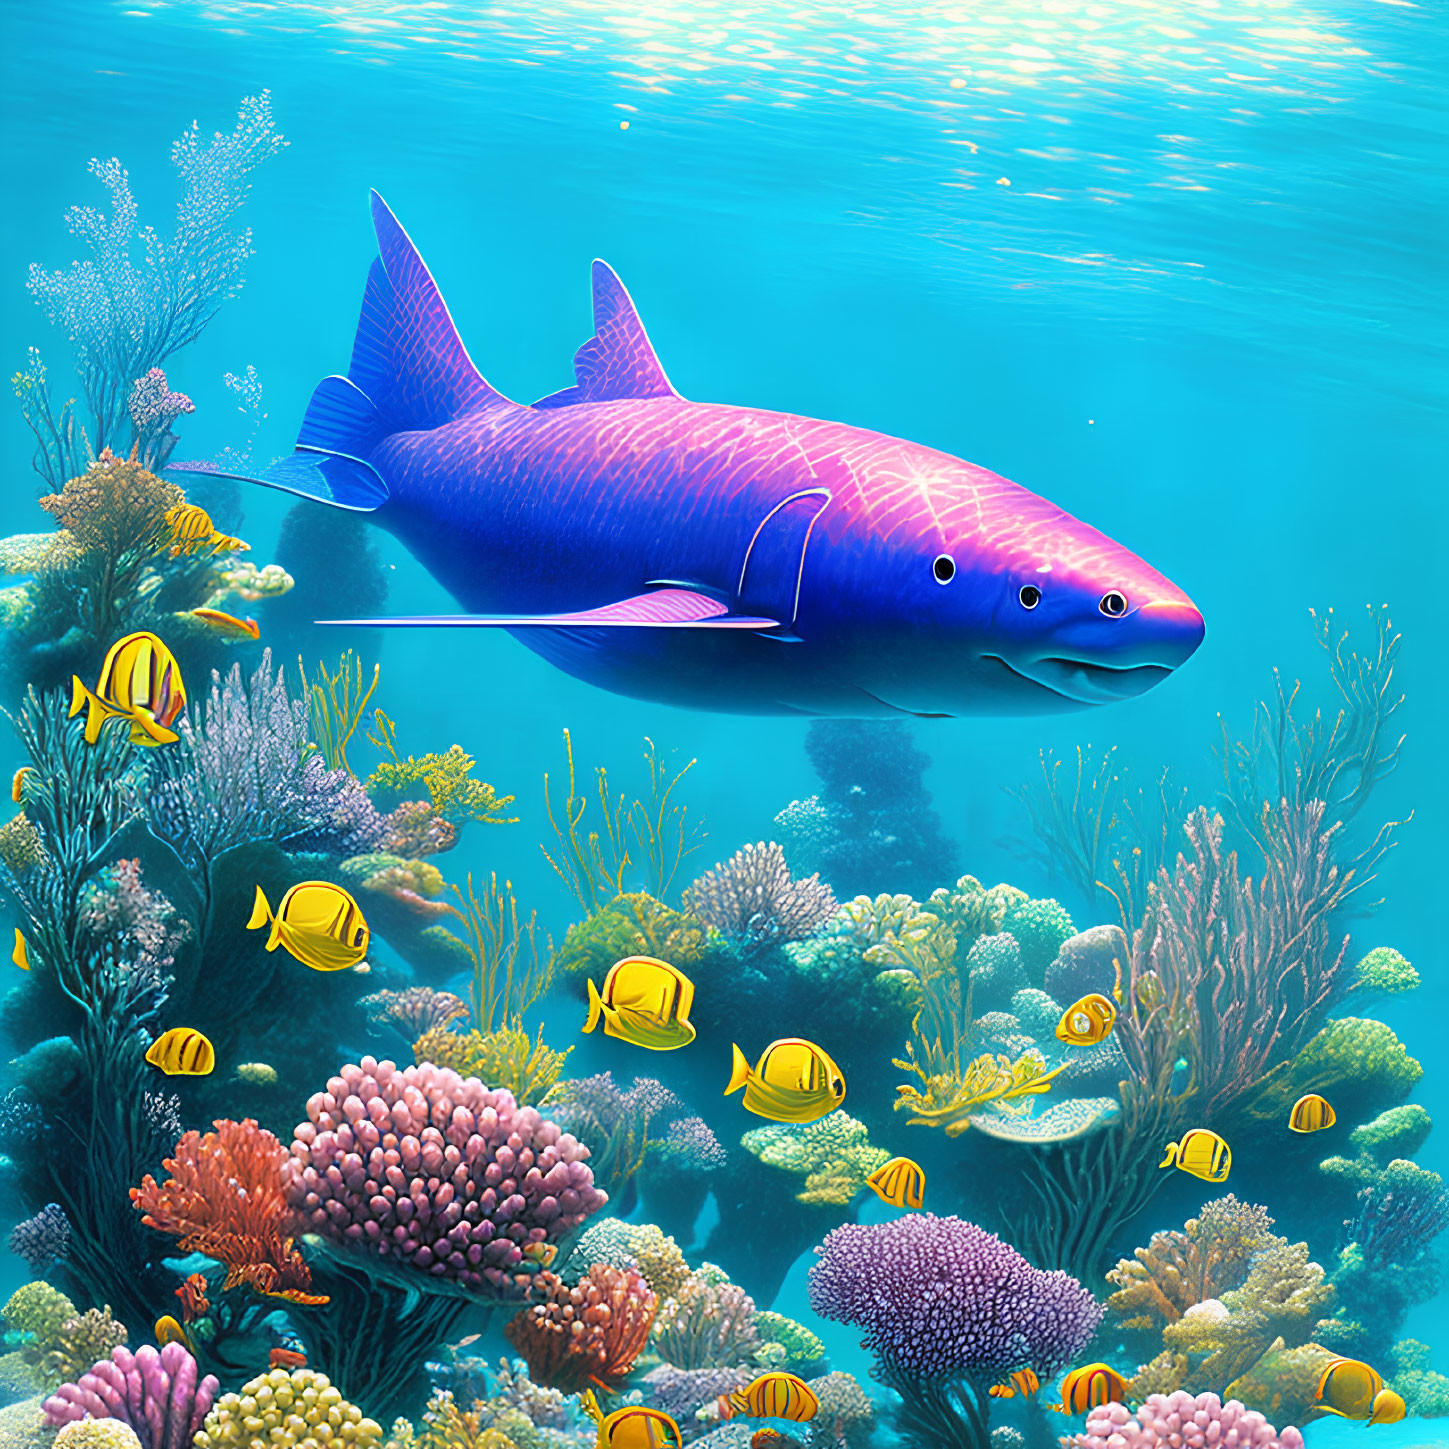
x=596 y=1008
x=409 y=373
x=261 y=914
x=739 y=1070
x=1172 y=1151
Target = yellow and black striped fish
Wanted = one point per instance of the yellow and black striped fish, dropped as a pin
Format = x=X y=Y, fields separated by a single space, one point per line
x=1311 y=1114
x=1088 y=1021
x=900 y=1182
x=1348 y=1387
x=1089 y=1387
x=632 y=1427
x=1023 y=1382
x=319 y=923
x=140 y=682
x=190 y=530
x=1202 y=1153
x=794 y=1081
x=182 y=1052
x=772 y=1396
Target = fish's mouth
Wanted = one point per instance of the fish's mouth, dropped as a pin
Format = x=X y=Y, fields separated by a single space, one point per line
x=1084 y=682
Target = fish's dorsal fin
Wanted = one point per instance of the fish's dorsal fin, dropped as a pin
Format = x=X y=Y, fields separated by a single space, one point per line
x=618 y=361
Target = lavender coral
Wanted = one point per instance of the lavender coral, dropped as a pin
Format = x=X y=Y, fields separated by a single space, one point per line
x=753 y=901
x=436 y=1172
x=948 y=1309
x=157 y=1392
x=42 y=1240
x=1181 y=1422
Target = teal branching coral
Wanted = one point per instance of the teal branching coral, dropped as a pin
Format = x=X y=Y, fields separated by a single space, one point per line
x=833 y=1155
x=1425 y=1392
x=287 y=1408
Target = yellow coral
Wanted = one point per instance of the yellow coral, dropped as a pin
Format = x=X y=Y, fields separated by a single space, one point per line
x=507 y=1057
x=632 y=924
x=116 y=506
x=833 y=1155
x=20 y=844
x=257 y=1074
x=446 y=1426
x=456 y=796
x=285 y=1409
x=659 y=1258
x=951 y=1094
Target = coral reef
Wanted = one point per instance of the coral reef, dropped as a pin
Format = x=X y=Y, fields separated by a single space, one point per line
x=42 y=1240
x=507 y=1058
x=948 y=1309
x=279 y=1406
x=708 y=1322
x=833 y=1155
x=97 y=1434
x=160 y=1394
x=587 y=1333
x=82 y=1341
x=754 y=903
x=846 y=1416
x=1181 y=1420
x=415 y=1011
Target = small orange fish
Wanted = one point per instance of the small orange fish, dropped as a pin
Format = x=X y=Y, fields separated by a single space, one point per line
x=194 y=1302
x=1023 y=1382
x=227 y=625
x=286 y=1358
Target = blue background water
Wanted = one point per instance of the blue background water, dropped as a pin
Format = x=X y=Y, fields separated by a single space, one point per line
x=1207 y=314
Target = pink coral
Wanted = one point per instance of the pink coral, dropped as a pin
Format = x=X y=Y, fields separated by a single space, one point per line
x=1181 y=1422
x=438 y=1172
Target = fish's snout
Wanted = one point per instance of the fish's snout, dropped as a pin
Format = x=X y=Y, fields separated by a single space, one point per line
x=1168 y=631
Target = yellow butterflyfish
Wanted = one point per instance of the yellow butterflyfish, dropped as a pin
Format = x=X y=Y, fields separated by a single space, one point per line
x=1202 y=1153
x=140 y=682
x=1023 y=1382
x=775 y=1395
x=317 y=922
x=1387 y=1408
x=21 y=954
x=644 y=1001
x=168 y=1330
x=190 y=530
x=182 y=1052
x=1311 y=1113
x=1348 y=1387
x=227 y=625
x=1091 y=1386
x=794 y=1081
x=632 y=1427
x=900 y=1182
x=1088 y=1021
x=17 y=784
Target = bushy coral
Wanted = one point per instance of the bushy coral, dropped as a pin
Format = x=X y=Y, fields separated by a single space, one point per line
x=21 y=847
x=413 y=1011
x=285 y=1408
x=803 y=1350
x=587 y=1333
x=658 y=1258
x=708 y=1323
x=969 y=909
x=753 y=901
x=40 y=1313
x=680 y=1393
x=833 y=1155
x=1424 y=1391
x=453 y=793
x=507 y=1057
x=1384 y=972
x=1039 y=929
x=82 y=1341
x=633 y=924
x=42 y=1239
x=846 y=1415
x=1357 y=1063
x=437 y=1172
x=97 y=1434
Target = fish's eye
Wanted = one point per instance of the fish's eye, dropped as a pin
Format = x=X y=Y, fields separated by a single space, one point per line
x=943 y=570
x=1029 y=596
x=1113 y=603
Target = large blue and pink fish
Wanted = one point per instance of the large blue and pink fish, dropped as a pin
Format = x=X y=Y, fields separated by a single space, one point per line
x=722 y=557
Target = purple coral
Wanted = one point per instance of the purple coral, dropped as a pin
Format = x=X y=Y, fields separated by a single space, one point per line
x=451 y=1178
x=679 y=1392
x=948 y=1309
x=690 y=1146
x=156 y=1392
x=1179 y=1421
x=752 y=900
x=153 y=408
x=42 y=1240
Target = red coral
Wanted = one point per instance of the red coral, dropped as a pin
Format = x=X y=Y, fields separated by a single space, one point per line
x=588 y=1334
x=224 y=1199
x=194 y=1302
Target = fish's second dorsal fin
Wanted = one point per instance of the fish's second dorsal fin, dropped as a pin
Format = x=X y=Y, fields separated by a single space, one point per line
x=618 y=361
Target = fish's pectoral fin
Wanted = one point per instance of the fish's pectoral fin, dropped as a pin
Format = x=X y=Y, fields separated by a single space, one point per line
x=596 y=1007
x=668 y=608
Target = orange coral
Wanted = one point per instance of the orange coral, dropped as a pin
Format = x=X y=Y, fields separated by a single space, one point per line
x=116 y=505
x=224 y=1199
x=588 y=1334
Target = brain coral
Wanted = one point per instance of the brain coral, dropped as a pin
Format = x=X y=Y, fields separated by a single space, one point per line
x=438 y=1171
x=97 y=1434
x=299 y=1409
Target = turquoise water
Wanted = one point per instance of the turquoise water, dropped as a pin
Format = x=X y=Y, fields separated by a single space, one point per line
x=1177 y=267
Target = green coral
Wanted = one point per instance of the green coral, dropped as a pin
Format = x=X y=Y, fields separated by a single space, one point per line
x=1384 y=972
x=1425 y=1393
x=82 y=1342
x=633 y=924
x=1397 y=1133
x=455 y=795
x=20 y=844
x=969 y=909
x=40 y=1313
x=507 y=1057
x=1283 y=1384
x=1356 y=1062
x=280 y=1407
x=803 y=1350
x=1040 y=927
x=833 y=1155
